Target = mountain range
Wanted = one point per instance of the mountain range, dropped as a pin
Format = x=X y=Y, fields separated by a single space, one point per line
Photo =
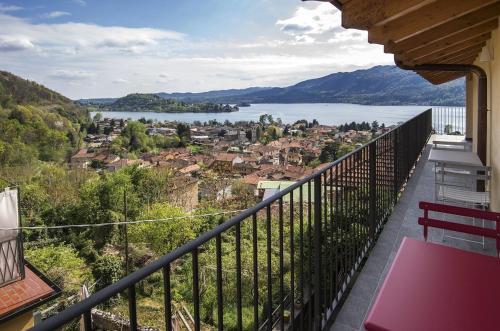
x=379 y=85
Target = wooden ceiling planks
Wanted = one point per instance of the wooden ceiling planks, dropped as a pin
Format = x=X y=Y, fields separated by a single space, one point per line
x=423 y=19
x=446 y=44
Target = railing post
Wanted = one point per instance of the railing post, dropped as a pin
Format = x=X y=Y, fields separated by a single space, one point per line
x=372 y=148
x=395 y=155
x=317 y=253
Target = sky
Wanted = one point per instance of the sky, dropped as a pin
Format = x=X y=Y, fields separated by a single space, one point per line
x=109 y=48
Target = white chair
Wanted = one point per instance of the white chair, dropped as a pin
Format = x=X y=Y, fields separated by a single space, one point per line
x=458 y=186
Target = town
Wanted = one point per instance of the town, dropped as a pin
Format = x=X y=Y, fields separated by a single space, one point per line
x=209 y=160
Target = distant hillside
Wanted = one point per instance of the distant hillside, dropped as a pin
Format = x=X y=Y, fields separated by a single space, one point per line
x=380 y=85
x=152 y=102
x=36 y=123
x=211 y=95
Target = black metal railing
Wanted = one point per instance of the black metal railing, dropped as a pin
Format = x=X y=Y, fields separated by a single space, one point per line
x=286 y=262
x=449 y=120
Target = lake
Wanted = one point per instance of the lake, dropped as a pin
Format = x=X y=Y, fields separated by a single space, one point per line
x=325 y=113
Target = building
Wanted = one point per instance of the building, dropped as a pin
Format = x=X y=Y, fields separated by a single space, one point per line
x=182 y=191
x=82 y=159
x=224 y=162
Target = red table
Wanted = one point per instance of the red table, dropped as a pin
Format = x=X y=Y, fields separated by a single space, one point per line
x=433 y=287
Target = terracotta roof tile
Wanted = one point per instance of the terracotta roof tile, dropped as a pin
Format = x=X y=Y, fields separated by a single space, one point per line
x=23 y=292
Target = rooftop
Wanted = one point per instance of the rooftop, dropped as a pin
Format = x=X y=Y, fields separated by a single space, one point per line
x=26 y=293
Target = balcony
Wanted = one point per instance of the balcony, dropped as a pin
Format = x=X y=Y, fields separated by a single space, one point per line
x=290 y=261
x=402 y=223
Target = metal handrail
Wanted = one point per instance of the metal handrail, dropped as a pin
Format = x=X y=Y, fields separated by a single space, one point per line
x=401 y=172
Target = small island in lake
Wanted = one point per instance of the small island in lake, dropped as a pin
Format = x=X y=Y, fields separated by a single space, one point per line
x=141 y=102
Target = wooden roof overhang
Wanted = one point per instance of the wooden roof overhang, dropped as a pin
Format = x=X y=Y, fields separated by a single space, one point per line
x=425 y=31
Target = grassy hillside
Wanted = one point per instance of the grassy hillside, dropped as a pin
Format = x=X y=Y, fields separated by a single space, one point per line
x=36 y=123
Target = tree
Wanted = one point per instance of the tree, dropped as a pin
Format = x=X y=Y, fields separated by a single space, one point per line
x=92 y=129
x=61 y=264
x=329 y=152
x=184 y=133
x=272 y=132
x=107 y=130
x=270 y=119
x=135 y=132
x=163 y=237
x=262 y=119
x=345 y=149
x=107 y=269
x=243 y=193
x=97 y=117
x=258 y=133
x=286 y=131
x=248 y=134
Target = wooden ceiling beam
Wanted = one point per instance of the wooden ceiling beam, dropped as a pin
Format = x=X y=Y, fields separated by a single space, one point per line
x=475 y=49
x=468 y=60
x=448 y=50
x=434 y=48
x=445 y=78
x=455 y=27
x=425 y=18
x=458 y=55
x=363 y=14
x=416 y=50
x=462 y=60
x=433 y=76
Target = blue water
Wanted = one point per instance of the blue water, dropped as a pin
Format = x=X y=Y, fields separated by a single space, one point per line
x=325 y=113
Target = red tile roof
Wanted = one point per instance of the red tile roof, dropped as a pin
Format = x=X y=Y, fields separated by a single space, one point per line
x=23 y=292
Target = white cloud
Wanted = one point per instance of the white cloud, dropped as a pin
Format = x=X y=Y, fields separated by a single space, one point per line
x=65 y=74
x=8 y=8
x=13 y=44
x=119 y=81
x=312 y=20
x=55 y=14
x=87 y=60
x=70 y=37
